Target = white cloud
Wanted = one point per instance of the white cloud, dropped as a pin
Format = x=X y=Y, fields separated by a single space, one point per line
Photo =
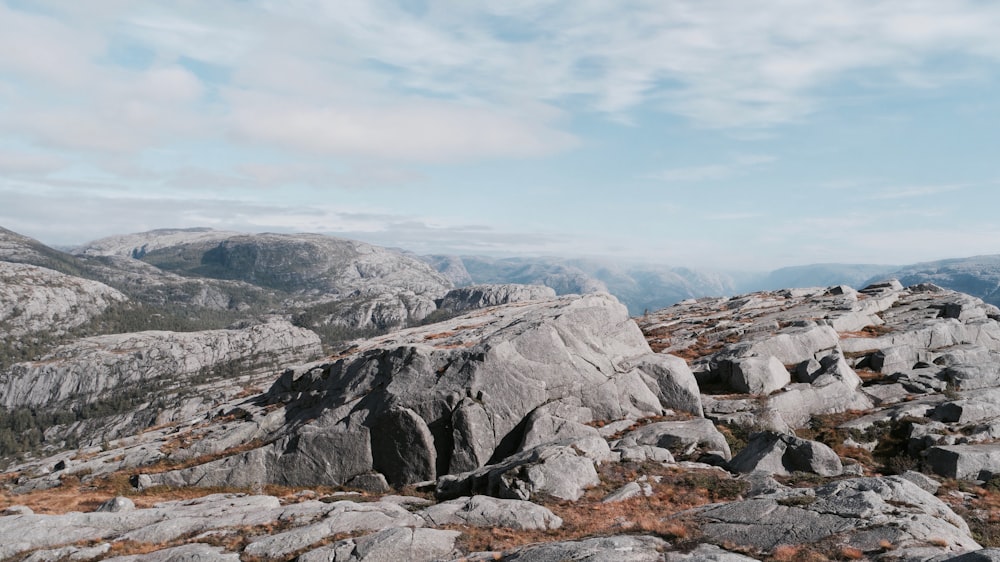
x=737 y=165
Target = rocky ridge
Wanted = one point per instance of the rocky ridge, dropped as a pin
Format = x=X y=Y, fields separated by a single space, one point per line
x=759 y=427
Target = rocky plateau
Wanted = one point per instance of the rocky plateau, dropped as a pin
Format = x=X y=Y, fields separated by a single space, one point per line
x=489 y=422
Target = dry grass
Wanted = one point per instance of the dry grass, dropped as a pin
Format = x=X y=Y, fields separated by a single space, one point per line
x=657 y=514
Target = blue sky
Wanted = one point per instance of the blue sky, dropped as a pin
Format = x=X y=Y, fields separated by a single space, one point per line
x=725 y=134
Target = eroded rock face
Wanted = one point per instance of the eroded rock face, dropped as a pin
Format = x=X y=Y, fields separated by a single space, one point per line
x=452 y=396
x=89 y=369
x=35 y=299
x=927 y=335
x=862 y=511
x=775 y=453
x=481 y=296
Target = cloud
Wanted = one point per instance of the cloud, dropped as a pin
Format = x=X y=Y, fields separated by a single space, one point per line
x=737 y=165
x=915 y=191
x=421 y=131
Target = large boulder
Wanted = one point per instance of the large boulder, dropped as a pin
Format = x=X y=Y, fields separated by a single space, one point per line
x=454 y=396
x=861 y=513
x=563 y=469
x=485 y=511
x=681 y=438
x=965 y=462
x=776 y=453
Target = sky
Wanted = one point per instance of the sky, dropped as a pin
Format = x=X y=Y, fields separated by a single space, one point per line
x=726 y=134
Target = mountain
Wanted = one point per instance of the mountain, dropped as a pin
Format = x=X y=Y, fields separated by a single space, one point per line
x=640 y=287
x=978 y=276
x=819 y=275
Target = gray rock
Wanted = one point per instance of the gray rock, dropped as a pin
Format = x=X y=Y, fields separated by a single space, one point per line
x=984 y=555
x=17 y=510
x=624 y=548
x=629 y=491
x=389 y=545
x=758 y=375
x=861 y=512
x=559 y=469
x=39 y=300
x=454 y=395
x=404 y=449
x=670 y=378
x=89 y=368
x=781 y=454
x=926 y=483
x=343 y=517
x=195 y=552
x=69 y=553
x=484 y=511
x=965 y=462
x=966 y=411
x=975 y=376
x=544 y=428
x=682 y=438
x=481 y=296
x=116 y=505
x=707 y=553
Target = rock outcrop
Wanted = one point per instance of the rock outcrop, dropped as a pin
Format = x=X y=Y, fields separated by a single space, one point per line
x=39 y=300
x=455 y=396
x=98 y=367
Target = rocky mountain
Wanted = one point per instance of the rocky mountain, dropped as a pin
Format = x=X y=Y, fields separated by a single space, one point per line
x=819 y=275
x=978 y=276
x=800 y=424
x=37 y=299
x=339 y=287
x=640 y=287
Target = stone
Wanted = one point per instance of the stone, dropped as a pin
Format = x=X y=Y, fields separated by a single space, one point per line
x=116 y=505
x=629 y=491
x=389 y=545
x=781 y=454
x=984 y=555
x=926 y=483
x=89 y=368
x=758 y=375
x=544 y=428
x=485 y=511
x=707 y=553
x=965 y=462
x=682 y=438
x=474 y=297
x=195 y=552
x=623 y=548
x=861 y=512
x=559 y=469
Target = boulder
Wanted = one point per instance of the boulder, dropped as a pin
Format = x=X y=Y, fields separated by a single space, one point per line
x=116 y=505
x=451 y=397
x=965 y=462
x=682 y=438
x=707 y=553
x=484 y=511
x=396 y=543
x=776 y=453
x=860 y=512
x=758 y=375
x=560 y=469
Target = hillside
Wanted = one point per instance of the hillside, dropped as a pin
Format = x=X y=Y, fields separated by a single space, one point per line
x=800 y=424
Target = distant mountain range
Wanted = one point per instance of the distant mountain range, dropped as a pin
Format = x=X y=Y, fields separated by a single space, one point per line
x=202 y=267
